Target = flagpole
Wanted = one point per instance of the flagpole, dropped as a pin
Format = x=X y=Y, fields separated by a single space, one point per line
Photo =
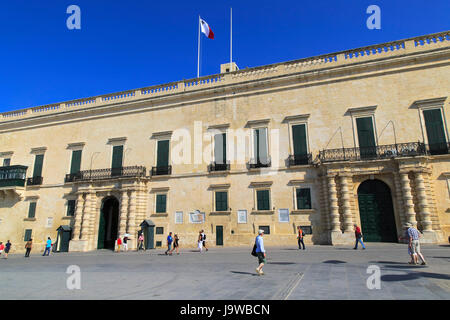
x=198 y=58
x=231 y=37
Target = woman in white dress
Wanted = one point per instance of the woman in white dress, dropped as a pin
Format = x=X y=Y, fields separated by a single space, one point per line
x=200 y=242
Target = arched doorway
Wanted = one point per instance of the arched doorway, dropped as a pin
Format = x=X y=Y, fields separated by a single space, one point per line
x=108 y=224
x=376 y=212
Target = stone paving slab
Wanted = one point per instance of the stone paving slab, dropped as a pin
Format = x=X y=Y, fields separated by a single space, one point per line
x=318 y=273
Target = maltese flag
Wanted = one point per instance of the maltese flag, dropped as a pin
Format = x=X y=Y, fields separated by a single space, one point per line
x=206 y=29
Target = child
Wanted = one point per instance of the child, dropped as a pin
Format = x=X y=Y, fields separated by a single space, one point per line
x=119 y=243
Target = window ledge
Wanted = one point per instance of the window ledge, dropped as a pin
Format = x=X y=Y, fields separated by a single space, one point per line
x=262 y=211
x=29 y=219
x=68 y=217
x=219 y=213
x=164 y=214
x=303 y=211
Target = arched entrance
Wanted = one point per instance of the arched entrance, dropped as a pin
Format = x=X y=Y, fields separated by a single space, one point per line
x=376 y=212
x=108 y=224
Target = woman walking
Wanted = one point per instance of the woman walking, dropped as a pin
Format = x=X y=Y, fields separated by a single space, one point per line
x=175 y=243
x=200 y=242
x=141 y=242
x=28 y=247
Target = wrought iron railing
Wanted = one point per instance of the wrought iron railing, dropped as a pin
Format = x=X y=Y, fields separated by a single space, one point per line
x=13 y=176
x=214 y=166
x=110 y=173
x=370 y=153
x=35 y=181
x=161 y=171
x=299 y=159
x=260 y=163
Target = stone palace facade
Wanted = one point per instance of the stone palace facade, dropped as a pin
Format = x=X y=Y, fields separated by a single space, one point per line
x=358 y=136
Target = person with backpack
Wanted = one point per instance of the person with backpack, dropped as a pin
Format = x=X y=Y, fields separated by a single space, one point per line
x=358 y=236
x=300 y=238
x=28 y=247
x=204 y=239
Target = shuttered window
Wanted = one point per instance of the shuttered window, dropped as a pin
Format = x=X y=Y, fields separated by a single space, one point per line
x=27 y=236
x=38 y=162
x=260 y=146
x=435 y=131
x=299 y=139
x=6 y=162
x=220 y=148
x=32 y=210
x=71 y=208
x=117 y=157
x=221 y=201
x=163 y=153
x=263 y=200
x=366 y=137
x=76 y=162
x=161 y=200
x=303 y=198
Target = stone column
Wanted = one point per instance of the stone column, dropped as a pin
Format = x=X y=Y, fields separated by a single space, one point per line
x=334 y=208
x=410 y=215
x=348 y=223
x=85 y=225
x=424 y=212
x=78 y=217
x=131 y=227
x=123 y=213
x=95 y=211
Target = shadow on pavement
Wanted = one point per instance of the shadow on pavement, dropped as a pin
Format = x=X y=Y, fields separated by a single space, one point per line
x=282 y=263
x=413 y=276
x=441 y=258
x=248 y=273
x=389 y=262
x=334 y=261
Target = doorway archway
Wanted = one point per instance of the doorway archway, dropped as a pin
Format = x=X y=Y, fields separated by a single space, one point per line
x=108 y=224
x=376 y=212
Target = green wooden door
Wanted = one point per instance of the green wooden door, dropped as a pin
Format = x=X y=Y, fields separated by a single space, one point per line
x=163 y=154
x=299 y=141
x=38 y=162
x=220 y=148
x=64 y=238
x=76 y=162
x=435 y=131
x=219 y=235
x=149 y=237
x=366 y=138
x=117 y=158
x=101 y=232
x=376 y=212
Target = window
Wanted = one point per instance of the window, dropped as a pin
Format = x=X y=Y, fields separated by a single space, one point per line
x=299 y=140
x=221 y=201
x=260 y=147
x=27 y=236
x=38 y=162
x=283 y=215
x=162 y=160
x=158 y=243
x=266 y=229
x=435 y=131
x=49 y=222
x=71 y=208
x=161 y=200
x=6 y=162
x=303 y=198
x=242 y=216
x=116 y=162
x=366 y=137
x=179 y=217
x=159 y=230
x=32 y=210
x=263 y=200
x=76 y=162
x=220 y=148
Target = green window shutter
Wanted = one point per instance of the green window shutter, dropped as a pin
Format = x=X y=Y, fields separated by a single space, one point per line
x=299 y=139
x=161 y=200
x=163 y=153
x=366 y=135
x=220 y=148
x=221 y=201
x=263 y=201
x=260 y=139
x=71 y=208
x=38 y=162
x=32 y=210
x=435 y=130
x=28 y=233
x=6 y=162
x=117 y=157
x=303 y=198
x=76 y=162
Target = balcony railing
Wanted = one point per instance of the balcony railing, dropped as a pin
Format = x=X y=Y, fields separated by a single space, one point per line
x=110 y=173
x=161 y=171
x=260 y=163
x=13 y=176
x=300 y=159
x=410 y=149
x=218 y=167
x=35 y=181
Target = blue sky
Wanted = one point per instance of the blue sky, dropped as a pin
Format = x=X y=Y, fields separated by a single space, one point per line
x=131 y=44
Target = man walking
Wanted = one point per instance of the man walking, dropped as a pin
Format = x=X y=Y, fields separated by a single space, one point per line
x=358 y=236
x=28 y=247
x=204 y=240
x=48 y=246
x=413 y=235
x=300 y=238
x=7 y=248
x=169 y=244
x=260 y=252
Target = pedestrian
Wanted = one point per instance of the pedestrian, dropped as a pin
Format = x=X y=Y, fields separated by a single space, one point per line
x=200 y=242
x=413 y=235
x=48 y=246
x=119 y=244
x=358 y=236
x=260 y=252
x=169 y=244
x=141 y=242
x=175 y=243
x=125 y=243
x=7 y=248
x=28 y=247
x=300 y=238
x=204 y=240
x=2 y=247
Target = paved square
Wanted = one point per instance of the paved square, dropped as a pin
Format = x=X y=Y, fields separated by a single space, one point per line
x=320 y=272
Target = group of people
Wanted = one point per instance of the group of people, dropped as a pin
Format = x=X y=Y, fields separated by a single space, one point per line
x=4 y=248
x=173 y=243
